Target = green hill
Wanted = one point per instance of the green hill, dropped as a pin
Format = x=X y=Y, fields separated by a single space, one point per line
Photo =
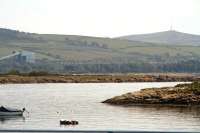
x=72 y=49
x=171 y=37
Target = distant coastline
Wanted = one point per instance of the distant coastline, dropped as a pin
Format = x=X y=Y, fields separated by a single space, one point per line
x=97 y=78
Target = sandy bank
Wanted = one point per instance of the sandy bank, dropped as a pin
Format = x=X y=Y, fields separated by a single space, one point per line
x=97 y=78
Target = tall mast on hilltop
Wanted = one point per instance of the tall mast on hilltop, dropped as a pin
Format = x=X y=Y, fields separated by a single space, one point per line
x=171 y=27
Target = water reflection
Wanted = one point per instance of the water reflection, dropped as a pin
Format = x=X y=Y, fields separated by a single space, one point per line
x=192 y=111
x=4 y=119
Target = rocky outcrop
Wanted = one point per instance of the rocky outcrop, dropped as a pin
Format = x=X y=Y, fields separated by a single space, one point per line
x=184 y=94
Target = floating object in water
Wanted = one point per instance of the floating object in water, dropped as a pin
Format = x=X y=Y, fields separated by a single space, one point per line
x=74 y=122
x=4 y=111
x=65 y=122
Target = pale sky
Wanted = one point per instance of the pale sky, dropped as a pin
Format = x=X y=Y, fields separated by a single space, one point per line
x=103 y=18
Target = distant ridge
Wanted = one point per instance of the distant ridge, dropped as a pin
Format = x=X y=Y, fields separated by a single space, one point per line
x=170 y=37
x=168 y=51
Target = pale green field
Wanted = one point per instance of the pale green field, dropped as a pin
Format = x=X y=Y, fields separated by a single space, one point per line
x=57 y=47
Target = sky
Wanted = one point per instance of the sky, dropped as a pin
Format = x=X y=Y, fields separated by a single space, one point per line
x=102 y=18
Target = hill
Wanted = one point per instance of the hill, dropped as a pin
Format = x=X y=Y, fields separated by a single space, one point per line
x=63 y=47
x=74 y=53
x=171 y=37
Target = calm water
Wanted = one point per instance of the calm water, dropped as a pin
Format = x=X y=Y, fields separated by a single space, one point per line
x=48 y=103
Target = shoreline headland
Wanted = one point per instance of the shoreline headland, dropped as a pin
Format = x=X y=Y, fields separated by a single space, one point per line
x=181 y=94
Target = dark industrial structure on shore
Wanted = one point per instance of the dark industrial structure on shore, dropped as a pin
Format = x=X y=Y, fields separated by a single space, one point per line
x=20 y=57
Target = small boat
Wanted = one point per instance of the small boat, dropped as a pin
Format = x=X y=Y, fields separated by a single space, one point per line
x=4 y=111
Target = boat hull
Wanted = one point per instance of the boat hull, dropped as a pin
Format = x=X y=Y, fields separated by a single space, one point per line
x=17 y=113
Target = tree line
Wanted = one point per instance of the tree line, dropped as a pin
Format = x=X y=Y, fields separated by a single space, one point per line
x=190 y=66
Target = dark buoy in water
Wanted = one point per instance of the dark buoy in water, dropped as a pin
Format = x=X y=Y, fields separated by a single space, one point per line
x=65 y=122
x=74 y=122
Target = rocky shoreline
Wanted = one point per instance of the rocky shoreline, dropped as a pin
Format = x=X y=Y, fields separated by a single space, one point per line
x=181 y=94
x=115 y=78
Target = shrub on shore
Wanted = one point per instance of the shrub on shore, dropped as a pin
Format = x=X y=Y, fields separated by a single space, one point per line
x=32 y=73
x=13 y=72
x=39 y=73
x=193 y=87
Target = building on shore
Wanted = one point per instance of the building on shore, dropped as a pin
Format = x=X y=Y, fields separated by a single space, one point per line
x=25 y=57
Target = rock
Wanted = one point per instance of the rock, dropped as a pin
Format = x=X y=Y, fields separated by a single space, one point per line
x=66 y=122
x=186 y=94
